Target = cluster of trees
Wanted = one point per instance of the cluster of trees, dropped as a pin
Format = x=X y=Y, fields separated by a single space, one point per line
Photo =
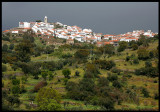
x=98 y=91
x=103 y=64
x=148 y=70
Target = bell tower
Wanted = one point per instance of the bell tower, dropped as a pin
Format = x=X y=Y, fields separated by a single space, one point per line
x=45 y=19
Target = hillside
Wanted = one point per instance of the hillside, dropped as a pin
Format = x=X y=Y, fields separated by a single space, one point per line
x=97 y=79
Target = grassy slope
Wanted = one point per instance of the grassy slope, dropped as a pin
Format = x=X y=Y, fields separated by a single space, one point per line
x=139 y=81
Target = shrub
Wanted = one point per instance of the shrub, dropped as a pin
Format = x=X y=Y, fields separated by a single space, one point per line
x=136 y=61
x=151 y=54
x=127 y=58
x=4 y=68
x=39 y=85
x=117 y=84
x=77 y=73
x=143 y=54
x=148 y=64
x=22 y=89
x=134 y=46
x=156 y=96
x=107 y=102
x=65 y=80
x=15 y=81
x=103 y=81
x=66 y=73
x=116 y=70
x=16 y=89
x=112 y=77
x=145 y=92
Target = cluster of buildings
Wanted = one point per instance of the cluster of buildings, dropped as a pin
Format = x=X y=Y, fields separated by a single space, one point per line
x=51 y=30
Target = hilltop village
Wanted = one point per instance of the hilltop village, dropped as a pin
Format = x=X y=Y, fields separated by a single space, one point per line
x=52 y=30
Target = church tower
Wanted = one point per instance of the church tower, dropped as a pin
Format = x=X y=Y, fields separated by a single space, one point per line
x=45 y=19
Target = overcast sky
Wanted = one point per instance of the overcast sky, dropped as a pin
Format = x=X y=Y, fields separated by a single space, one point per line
x=101 y=17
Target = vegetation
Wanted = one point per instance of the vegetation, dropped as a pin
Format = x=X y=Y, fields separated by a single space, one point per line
x=82 y=76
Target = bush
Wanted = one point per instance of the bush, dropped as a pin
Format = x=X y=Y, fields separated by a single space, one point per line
x=149 y=71
x=107 y=102
x=103 y=81
x=156 y=96
x=135 y=61
x=39 y=85
x=145 y=92
x=116 y=70
x=4 y=68
x=117 y=84
x=112 y=77
x=15 y=81
x=134 y=46
x=16 y=89
x=77 y=73
x=22 y=89
x=148 y=64
x=11 y=46
x=103 y=64
x=66 y=73
x=143 y=54
x=127 y=58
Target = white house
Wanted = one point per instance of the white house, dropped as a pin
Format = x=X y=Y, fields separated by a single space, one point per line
x=24 y=25
x=15 y=31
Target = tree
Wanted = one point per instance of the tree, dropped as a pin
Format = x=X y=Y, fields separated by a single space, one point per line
x=49 y=49
x=148 y=64
x=141 y=40
x=127 y=58
x=90 y=84
x=145 y=92
x=13 y=100
x=44 y=74
x=103 y=64
x=24 y=50
x=51 y=76
x=107 y=102
x=48 y=99
x=135 y=61
x=117 y=84
x=22 y=89
x=81 y=54
x=103 y=81
x=151 y=54
x=143 y=54
x=66 y=73
x=4 y=68
x=122 y=46
x=49 y=105
x=29 y=35
x=112 y=77
x=15 y=81
x=5 y=48
x=77 y=73
x=107 y=49
x=11 y=46
x=16 y=90
x=134 y=46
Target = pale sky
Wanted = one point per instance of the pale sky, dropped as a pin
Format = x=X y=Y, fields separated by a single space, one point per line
x=101 y=17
